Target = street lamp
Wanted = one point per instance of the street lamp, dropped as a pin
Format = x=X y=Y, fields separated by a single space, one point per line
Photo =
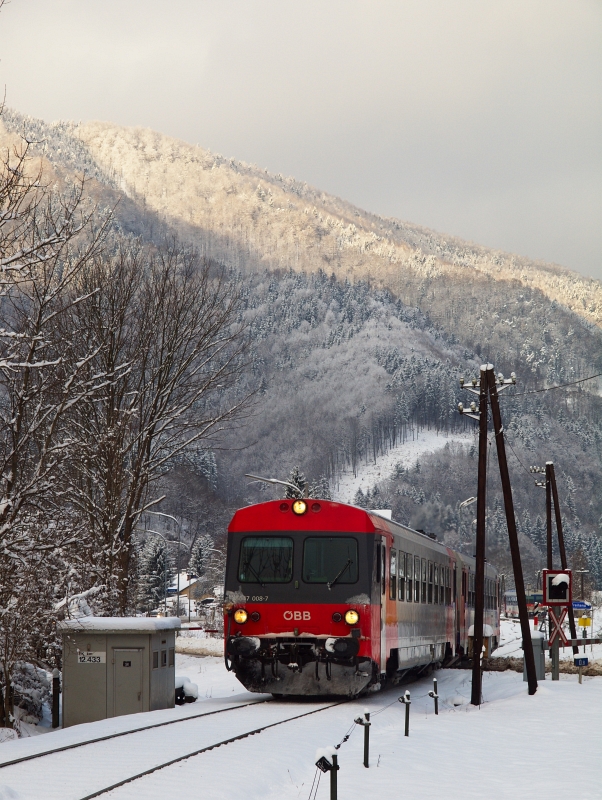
x=169 y=516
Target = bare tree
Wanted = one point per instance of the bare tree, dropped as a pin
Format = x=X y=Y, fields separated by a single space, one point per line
x=46 y=238
x=173 y=322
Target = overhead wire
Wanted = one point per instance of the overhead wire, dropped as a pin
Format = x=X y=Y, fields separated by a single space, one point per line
x=558 y=386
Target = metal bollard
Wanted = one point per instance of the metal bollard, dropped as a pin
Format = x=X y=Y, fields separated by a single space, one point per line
x=405 y=699
x=333 y=777
x=328 y=762
x=435 y=696
x=56 y=688
x=365 y=722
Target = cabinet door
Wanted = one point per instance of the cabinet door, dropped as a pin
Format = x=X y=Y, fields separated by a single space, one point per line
x=127 y=692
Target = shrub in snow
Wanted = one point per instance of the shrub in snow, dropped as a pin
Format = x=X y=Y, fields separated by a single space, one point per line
x=186 y=691
x=31 y=688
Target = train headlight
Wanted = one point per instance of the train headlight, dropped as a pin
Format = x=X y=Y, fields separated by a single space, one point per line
x=240 y=616
x=299 y=507
x=351 y=617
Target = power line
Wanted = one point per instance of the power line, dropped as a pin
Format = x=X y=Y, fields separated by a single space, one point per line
x=558 y=386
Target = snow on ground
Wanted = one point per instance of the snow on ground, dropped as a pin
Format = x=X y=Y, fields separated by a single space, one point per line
x=199 y=644
x=407 y=453
x=511 y=641
x=494 y=751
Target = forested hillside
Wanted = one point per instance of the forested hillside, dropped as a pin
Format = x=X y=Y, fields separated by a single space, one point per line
x=358 y=330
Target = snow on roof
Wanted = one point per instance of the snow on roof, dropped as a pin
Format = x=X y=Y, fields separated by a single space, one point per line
x=120 y=624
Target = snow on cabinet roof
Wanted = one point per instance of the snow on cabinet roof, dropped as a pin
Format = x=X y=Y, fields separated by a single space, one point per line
x=120 y=624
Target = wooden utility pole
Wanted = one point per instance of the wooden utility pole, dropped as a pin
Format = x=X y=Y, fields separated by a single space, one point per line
x=561 y=547
x=549 y=514
x=479 y=586
x=512 y=533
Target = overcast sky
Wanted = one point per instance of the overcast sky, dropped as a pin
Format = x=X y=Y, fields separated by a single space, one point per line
x=476 y=118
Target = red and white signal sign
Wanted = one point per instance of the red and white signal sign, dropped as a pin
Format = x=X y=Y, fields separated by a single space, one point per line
x=557 y=587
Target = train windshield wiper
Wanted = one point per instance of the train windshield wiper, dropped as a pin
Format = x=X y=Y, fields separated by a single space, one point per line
x=331 y=583
x=248 y=566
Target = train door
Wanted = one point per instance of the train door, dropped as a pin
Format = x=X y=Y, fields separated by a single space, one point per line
x=380 y=590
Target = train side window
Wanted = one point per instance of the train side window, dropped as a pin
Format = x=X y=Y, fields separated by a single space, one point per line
x=423 y=593
x=441 y=584
x=496 y=590
x=436 y=584
x=401 y=576
x=430 y=581
x=393 y=575
x=409 y=573
x=416 y=579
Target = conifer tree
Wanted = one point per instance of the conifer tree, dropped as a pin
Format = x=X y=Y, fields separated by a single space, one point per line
x=298 y=479
x=155 y=573
x=199 y=555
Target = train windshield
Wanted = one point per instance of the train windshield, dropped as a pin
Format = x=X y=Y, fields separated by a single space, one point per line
x=266 y=559
x=332 y=560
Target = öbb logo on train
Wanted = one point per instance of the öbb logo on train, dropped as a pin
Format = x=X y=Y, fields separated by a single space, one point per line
x=297 y=616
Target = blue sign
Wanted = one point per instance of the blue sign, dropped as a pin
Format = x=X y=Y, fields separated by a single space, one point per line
x=581 y=605
x=581 y=662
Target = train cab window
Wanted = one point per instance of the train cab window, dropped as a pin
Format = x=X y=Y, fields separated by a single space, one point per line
x=401 y=575
x=423 y=592
x=436 y=584
x=430 y=588
x=393 y=575
x=416 y=579
x=266 y=559
x=330 y=560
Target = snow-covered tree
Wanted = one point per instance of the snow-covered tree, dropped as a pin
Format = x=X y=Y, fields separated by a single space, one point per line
x=155 y=572
x=298 y=479
x=200 y=555
x=173 y=320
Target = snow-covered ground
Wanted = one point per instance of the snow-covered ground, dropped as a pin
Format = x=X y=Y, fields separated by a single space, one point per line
x=494 y=751
x=511 y=642
x=406 y=454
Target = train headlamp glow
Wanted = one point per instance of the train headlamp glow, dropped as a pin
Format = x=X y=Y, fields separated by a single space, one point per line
x=352 y=617
x=240 y=616
x=299 y=507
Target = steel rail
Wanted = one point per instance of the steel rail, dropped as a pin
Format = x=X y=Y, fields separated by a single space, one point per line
x=209 y=747
x=127 y=733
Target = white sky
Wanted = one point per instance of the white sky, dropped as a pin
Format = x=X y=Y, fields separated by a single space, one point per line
x=475 y=118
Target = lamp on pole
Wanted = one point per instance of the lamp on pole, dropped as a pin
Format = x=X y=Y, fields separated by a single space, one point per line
x=170 y=516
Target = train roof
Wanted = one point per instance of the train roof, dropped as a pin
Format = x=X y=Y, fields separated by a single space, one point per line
x=276 y=515
x=321 y=515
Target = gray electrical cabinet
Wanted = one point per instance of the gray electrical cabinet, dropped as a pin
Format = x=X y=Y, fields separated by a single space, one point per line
x=117 y=665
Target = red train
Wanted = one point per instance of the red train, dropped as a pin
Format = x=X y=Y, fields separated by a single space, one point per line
x=323 y=598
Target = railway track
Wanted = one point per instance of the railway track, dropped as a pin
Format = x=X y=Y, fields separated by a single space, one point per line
x=92 y=768
x=116 y=735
